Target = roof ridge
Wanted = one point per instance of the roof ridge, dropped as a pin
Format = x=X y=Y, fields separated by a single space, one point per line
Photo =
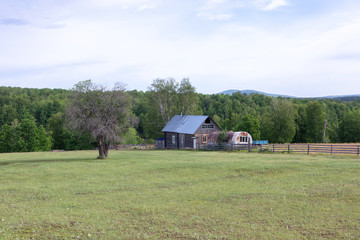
x=186 y=124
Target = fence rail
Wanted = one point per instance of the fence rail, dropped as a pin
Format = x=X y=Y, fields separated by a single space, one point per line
x=135 y=146
x=350 y=149
x=227 y=147
x=347 y=149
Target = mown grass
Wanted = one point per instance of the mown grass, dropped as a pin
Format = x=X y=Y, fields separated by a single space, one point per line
x=178 y=195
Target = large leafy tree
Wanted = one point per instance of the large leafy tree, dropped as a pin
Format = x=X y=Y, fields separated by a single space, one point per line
x=8 y=138
x=166 y=98
x=56 y=124
x=349 y=130
x=24 y=136
x=251 y=125
x=102 y=113
x=300 y=120
x=187 y=99
x=315 y=118
x=162 y=101
x=29 y=132
x=278 y=125
x=63 y=138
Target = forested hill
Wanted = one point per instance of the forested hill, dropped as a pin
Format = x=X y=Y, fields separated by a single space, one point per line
x=33 y=118
x=248 y=92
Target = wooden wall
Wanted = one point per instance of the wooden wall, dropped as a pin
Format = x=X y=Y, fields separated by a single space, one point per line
x=202 y=130
x=168 y=140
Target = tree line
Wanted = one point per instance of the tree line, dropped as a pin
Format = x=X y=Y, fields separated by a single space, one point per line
x=39 y=120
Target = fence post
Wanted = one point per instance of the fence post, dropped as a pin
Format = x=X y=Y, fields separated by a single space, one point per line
x=249 y=145
x=260 y=147
x=331 y=149
x=289 y=148
x=232 y=147
x=308 y=149
x=358 y=153
x=273 y=148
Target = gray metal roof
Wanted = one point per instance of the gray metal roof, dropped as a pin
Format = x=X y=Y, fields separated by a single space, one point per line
x=187 y=124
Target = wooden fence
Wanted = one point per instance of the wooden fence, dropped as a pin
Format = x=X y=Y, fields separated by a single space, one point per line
x=347 y=149
x=136 y=146
x=227 y=147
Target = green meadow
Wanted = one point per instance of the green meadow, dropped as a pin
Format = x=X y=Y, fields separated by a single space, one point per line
x=178 y=195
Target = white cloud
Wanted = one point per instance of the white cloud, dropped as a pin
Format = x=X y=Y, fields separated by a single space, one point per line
x=147 y=6
x=210 y=4
x=272 y=4
x=219 y=17
x=125 y=4
x=227 y=9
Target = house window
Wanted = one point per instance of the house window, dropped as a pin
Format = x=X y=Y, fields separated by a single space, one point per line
x=204 y=138
x=173 y=139
x=208 y=126
x=211 y=126
x=204 y=126
x=244 y=139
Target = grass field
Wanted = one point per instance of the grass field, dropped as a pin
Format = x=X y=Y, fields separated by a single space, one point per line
x=178 y=195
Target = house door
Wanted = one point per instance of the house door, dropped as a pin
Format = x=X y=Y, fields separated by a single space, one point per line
x=182 y=140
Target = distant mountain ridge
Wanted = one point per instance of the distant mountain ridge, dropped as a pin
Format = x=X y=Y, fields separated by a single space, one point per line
x=248 y=92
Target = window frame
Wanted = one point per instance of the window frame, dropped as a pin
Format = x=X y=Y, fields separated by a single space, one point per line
x=204 y=136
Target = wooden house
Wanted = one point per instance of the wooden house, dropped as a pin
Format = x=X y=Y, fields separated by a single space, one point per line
x=186 y=131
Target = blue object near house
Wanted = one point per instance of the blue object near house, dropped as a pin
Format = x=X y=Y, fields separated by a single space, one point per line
x=261 y=142
x=160 y=143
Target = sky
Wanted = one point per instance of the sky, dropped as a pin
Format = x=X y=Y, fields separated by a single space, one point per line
x=303 y=48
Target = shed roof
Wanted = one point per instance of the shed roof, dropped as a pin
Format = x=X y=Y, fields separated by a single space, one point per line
x=186 y=124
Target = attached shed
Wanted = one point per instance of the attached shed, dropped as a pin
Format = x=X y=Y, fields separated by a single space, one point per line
x=239 y=138
x=186 y=131
x=232 y=138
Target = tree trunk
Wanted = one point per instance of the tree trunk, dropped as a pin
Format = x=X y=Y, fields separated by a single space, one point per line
x=106 y=149
x=103 y=152
x=324 y=130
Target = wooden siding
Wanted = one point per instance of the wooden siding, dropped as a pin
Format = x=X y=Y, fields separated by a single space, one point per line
x=181 y=140
x=206 y=131
x=189 y=141
x=168 y=140
x=202 y=130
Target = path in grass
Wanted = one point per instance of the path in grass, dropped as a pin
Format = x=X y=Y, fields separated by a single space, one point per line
x=178 y=194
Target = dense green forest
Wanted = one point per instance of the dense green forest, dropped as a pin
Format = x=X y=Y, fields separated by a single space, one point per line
x=35 y=119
